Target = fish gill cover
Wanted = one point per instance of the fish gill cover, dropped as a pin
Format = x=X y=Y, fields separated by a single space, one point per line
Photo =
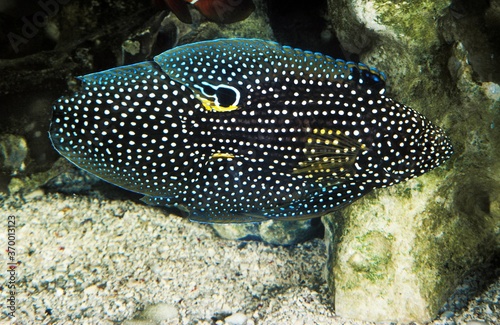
x=241 y=130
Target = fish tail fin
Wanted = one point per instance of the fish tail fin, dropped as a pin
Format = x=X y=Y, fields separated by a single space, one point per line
x=122 y=125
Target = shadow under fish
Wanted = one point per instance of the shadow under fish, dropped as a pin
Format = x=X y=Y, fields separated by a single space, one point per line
x=243 y=130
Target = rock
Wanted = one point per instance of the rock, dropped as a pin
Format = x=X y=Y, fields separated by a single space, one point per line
x=272 y=232
x=31 y=183
x=447 y=314
x=289 y=233
x=36 y=194
x=397 y=254
x=244 y=231
x=13 y=152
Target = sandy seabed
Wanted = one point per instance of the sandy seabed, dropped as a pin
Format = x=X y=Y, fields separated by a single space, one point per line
x=84 y=260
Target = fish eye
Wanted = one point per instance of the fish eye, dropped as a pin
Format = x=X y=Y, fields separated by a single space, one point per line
x=226 y=96
x=223 y=95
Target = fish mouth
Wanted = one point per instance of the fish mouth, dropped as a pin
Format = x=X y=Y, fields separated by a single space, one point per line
x=433 y=149
x=443 y=147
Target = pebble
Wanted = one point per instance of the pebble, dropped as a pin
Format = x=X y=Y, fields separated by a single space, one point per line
x=34 y=195
x=59 y=292
x=90 y=290
x=160 y=312
x=236 y=319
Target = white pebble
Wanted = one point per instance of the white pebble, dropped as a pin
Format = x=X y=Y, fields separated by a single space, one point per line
x=236 y=319
x=36 y=194
x=160 y=312
x=90 y=290
x=59 y=292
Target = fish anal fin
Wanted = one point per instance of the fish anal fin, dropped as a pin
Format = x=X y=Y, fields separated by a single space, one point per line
x=323 y=200
x=163 y=201
x=203 y=217
x=237 y=217
x=329 y=154
x=154 y=201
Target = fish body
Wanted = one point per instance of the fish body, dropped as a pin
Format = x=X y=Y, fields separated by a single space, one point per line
x=239 y=130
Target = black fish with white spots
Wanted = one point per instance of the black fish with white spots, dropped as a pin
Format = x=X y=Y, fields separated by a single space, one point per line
x=239 y=130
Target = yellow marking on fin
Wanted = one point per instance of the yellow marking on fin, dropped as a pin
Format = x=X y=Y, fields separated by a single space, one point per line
x=223 y=155
x=329 y=154
x=212 y=107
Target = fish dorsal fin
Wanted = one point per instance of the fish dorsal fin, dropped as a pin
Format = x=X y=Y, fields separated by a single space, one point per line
x=220 y=72
x=329 y=154
x=223 y=61
x=332 y=69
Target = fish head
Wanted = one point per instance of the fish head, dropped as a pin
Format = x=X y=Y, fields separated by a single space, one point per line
x=412 y=147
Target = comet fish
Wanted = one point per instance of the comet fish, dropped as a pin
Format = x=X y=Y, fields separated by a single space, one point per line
x=244 y=130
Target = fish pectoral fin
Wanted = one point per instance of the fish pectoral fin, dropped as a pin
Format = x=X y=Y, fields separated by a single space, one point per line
x=329 y=154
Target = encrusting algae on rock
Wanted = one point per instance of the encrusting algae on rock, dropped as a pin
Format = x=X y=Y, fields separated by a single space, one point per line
x=242 y=130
